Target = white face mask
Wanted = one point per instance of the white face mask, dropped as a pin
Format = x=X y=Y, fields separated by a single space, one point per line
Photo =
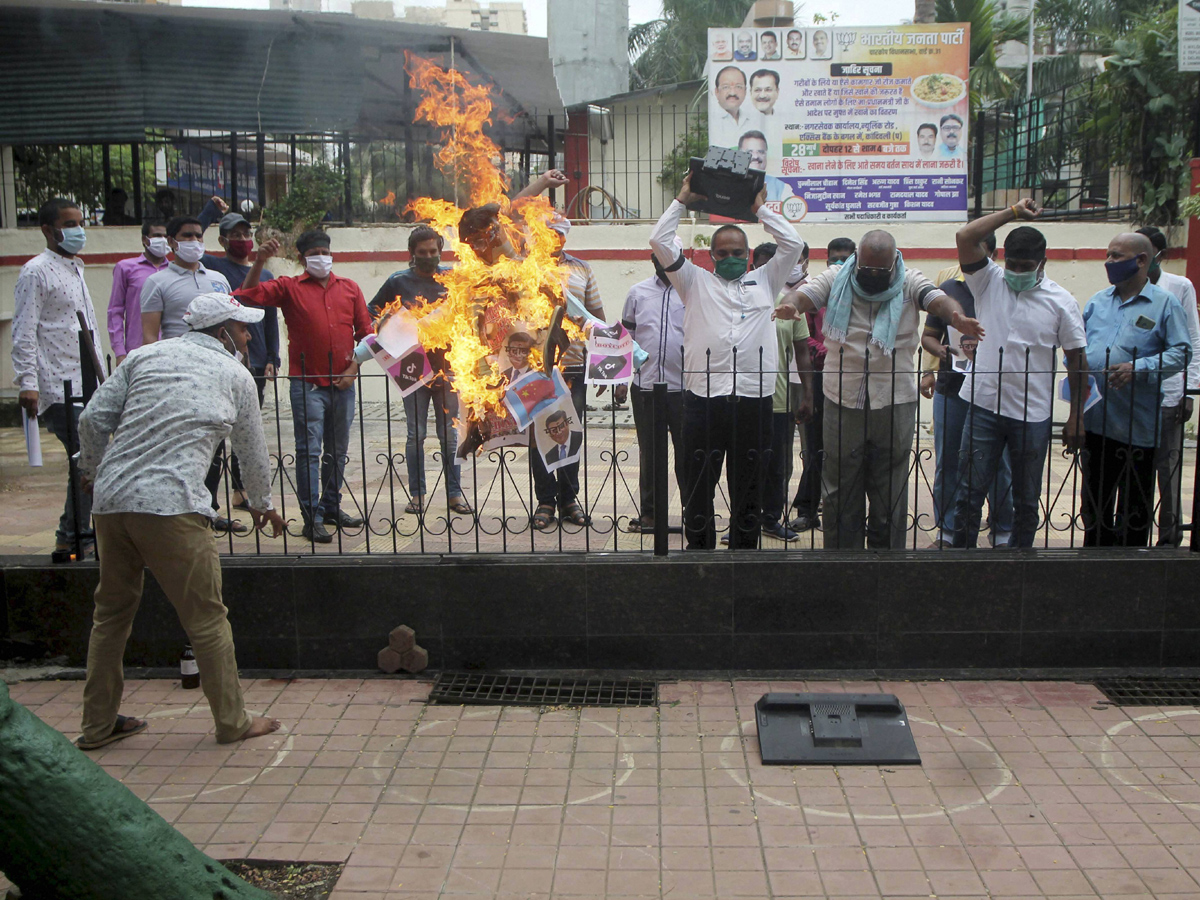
x=798 y=274
x=318 y=266
x=158 y=247
x=189 y=251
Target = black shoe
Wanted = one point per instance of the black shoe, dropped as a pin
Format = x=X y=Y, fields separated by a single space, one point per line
x=804 y=523
x=65 y=553
x=316 y=533
x=342 y=519
x=222 y=525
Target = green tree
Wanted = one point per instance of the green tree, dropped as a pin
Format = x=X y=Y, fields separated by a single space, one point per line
x=990 y=27
x=673 y=48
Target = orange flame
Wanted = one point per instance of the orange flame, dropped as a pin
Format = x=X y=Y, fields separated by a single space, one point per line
x=389 y=200
x=483 y=302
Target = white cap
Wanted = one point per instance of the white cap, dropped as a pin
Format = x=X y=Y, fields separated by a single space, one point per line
x=207 y=310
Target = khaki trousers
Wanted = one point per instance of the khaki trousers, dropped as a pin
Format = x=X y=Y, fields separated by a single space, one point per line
x=181 y=552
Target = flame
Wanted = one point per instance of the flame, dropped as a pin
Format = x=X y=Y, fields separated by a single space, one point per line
x=389 y=200
x=483 y=302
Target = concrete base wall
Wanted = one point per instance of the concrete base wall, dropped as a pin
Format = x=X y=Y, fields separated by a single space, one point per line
x=705 y=611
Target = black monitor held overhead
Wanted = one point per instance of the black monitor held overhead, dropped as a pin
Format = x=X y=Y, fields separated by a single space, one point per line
x=726 y=178
x=835 y=729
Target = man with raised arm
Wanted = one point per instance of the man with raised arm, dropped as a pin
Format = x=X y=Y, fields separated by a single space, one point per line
x=872 y=324
x=730 y=361
x=1010 y=388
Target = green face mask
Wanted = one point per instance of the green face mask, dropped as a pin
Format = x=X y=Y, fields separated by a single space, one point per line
x=1021 y=281
x=731 y=268
x=1155 y=268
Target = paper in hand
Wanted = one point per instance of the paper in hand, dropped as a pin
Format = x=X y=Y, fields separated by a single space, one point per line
x=33 y=439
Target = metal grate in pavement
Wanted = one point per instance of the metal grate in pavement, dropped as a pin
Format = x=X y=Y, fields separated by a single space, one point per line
x=1151 y=691
x=527 y=690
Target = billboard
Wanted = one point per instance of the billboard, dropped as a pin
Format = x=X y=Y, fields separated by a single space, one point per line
x=850 y=124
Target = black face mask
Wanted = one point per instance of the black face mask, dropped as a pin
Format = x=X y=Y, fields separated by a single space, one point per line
x=872 y=282
x=426 y=265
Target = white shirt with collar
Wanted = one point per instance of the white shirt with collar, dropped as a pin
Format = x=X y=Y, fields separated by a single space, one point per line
x=1183 y=290
x=167 y=407
x=1034 y=323
x=721 y=317
x=654 y=315
x=50 y=291
x=725 y=131
x=857 y=370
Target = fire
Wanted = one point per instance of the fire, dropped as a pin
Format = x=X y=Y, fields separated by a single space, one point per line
x=389 y=200
x=482 y=301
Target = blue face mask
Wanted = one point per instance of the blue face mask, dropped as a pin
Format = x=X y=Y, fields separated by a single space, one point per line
x=72 y=240
x=1121 y=270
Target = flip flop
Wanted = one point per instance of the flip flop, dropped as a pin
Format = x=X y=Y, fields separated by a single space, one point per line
x=461 y=506
x=119 y=733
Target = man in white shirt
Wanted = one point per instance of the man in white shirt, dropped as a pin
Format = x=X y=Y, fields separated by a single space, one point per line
x=653 y=314
x=729 y=366
x=1176 y=408
x=50 y=292
x=735 y=117
x=1010 y=388
x=872 y=328
x=166 y=408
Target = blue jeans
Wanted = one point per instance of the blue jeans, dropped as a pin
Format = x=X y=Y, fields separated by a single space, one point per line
x=321 y=417
x=985 y=438
x=416 y=414
x=949 y=417
x=55 y=418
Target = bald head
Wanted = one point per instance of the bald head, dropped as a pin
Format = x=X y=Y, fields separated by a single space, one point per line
x=876 y=250
x=1132 y=243
x=1121 y=250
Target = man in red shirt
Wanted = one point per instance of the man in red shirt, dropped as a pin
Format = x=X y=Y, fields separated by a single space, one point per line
x=326 y=316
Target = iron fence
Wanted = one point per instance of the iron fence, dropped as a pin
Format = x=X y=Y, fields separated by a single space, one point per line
x=673 y=447
x=624 y=161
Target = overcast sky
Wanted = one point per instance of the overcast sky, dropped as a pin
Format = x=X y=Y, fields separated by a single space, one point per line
x=850 y=12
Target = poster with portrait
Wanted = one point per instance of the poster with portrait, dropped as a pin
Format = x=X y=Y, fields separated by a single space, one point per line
x=609 y=355
x=533 y=394
x=409 y=369
x=558 y=434
x=853 y=124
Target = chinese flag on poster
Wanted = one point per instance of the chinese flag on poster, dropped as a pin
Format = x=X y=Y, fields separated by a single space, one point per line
x=534 y=392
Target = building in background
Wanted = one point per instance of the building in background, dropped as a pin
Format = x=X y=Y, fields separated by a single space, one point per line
x=507 y=16
x=589 y=46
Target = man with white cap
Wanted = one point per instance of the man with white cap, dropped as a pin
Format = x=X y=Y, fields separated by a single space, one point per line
x=166 y=408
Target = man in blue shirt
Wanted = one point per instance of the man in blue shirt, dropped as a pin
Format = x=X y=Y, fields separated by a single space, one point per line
x=1138 y=336
x=414 y=286
x=237 y=240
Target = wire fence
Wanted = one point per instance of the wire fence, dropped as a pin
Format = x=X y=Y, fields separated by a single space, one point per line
x=624 y=161
x=891 y=477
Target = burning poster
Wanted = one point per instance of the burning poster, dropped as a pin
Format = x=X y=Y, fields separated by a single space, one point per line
x=559 y=434
x=609 y=355
x=409 y=370
x=397 y=332
x=533 y=394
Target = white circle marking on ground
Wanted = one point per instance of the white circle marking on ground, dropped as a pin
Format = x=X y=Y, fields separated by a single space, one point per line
x=1107 y=761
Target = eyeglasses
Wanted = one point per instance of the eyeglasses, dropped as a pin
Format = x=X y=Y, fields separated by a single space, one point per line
x=517 y=351
x=558 y=428
x=878 y=271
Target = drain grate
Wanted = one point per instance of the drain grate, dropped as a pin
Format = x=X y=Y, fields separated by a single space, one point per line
x=1151 y=691
x=524 y=690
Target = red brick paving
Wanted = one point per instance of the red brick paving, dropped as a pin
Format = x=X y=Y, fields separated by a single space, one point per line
x=1026 y=790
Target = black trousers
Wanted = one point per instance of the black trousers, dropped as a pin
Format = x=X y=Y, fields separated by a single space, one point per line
x=779 y=466
x=642 y=400
x=212 y=480
x=808 y=493
x=1118 y=493
x=713 y=428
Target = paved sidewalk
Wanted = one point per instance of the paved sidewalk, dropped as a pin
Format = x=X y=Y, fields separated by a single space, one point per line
x=1026 y=790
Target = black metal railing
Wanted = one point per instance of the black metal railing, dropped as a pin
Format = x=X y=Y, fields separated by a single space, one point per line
x=624 y=162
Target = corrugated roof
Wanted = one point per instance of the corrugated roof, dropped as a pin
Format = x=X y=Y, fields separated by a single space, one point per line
x=92 y=72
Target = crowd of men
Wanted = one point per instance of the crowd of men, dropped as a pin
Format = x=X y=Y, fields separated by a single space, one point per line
x=751 y=352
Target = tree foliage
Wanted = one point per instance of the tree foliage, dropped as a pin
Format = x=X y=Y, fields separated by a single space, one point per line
x=315 y=191
x=673 y=48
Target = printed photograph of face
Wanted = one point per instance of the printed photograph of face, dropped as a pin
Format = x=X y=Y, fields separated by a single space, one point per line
x=764 y=90
x=744 y=46
x=720 y=46
x=795 y=44
x=821 y=48
x=730 y=89
x=768 y=45
x=927 y=140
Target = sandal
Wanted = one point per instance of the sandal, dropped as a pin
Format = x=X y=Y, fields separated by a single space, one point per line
x=574 y=514
x=461 y=506
x=118 y=733
x=543 y=517
x=416 y=506
x=640 y=525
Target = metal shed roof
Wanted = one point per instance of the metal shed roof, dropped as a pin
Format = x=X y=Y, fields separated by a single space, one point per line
x=93 y=72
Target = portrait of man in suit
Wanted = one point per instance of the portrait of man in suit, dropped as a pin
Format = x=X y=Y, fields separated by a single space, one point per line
x=567 y=443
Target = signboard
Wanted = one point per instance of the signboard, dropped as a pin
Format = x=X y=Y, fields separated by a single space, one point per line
x=850 y=124
x=204 y=171
x=1189 y=36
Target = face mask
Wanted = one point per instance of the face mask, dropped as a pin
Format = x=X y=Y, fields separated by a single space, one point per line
x=229 y=345
x=426 y=265
x=158 y=247
x=318 y=266
x=189 y=251
x=1122 y=270
x=731 y=268
x=837 y=262
x=72 y=240
x=242 y=249
x=798 y=274
x=1155 y=267
x=1021 y=281
x=872 y=284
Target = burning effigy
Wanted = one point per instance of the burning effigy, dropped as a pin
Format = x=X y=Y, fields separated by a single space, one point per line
x=508 y=280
